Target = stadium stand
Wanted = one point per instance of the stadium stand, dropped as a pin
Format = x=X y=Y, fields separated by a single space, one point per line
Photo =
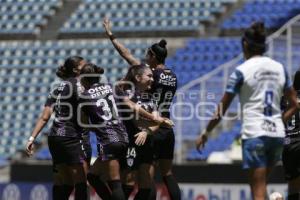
x=26 y=18
x=27 y=68
x=25 y=79
x=273 y=12
x=200 y=56
x=221 y=143
x=144 y=16
x=27 y=71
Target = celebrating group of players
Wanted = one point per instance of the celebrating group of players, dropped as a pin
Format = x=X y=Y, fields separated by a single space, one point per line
x=132 y=123
x=130 y=119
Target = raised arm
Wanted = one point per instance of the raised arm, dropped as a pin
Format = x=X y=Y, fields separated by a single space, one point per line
x=123 y=51
x=41 y=122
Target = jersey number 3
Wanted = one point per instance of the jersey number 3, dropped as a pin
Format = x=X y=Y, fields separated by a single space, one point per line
x=108 y=111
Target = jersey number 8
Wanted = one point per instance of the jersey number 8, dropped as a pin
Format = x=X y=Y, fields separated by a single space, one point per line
x=268 y=103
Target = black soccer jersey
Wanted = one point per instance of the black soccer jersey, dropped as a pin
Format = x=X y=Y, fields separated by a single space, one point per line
x=144 y=99
x=141 y=98
x=163 y=89
x=292 y=126
x=99 y=105
x=64 y=100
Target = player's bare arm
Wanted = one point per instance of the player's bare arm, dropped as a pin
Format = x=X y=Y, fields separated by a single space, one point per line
x=221 y=110
x=41 y=122
x=123 y=51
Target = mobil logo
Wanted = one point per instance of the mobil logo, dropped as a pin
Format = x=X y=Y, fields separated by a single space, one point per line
x=210 y=194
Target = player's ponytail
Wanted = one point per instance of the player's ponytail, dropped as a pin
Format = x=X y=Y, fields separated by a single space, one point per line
x=160 y=51
x=68 y=69
x=90 y=74
x=255 y=37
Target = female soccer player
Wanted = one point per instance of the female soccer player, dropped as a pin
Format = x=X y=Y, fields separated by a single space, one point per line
x=140 y=152
x=99 y=106
x=291 y=150
x=163 y=90
x=65 y=134
x=260 y=83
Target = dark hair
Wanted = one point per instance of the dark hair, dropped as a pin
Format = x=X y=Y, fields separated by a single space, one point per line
x=255 y=36
x=296 y=83
x=67 y=69
x=160 y=51
x=133 y=71
x=94 y=71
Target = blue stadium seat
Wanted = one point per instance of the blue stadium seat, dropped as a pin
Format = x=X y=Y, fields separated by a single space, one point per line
x=27 y=70
x=25 y=17
x=221 y=143
x=137 y=15
x=200 y=56
x=43 y=154
x=273 y=12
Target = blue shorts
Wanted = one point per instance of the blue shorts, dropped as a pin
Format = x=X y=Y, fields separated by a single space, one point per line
x=261 y=151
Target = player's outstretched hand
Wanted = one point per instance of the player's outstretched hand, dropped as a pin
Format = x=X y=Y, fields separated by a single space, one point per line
x=107 y=26
x=141 y=138
x=200 y=141
x=29 y=148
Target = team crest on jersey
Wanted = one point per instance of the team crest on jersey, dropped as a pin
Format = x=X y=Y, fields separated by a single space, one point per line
x=287 y=141
x=130 y=162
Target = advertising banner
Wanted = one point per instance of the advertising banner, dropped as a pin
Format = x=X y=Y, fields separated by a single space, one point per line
x=43 y=191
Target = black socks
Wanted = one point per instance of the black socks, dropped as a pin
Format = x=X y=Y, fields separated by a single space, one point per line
x=67 y=190
x=153 y=192
x=100 y=186
x=143 y=194
x=81 y=191
x=173 y=187
x=127 y=190
x=117 y=191
x=58 y=192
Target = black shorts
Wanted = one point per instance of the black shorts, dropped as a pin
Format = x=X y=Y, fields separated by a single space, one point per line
x=164 y=143
x=137 y=155
x=291 y=160
x=113 y=151
x=65 y=150
x=86 y=147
